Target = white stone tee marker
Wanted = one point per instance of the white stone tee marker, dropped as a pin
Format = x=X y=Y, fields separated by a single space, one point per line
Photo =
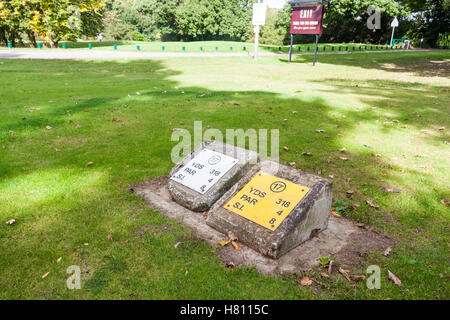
x=207 y=173
x=202 y=172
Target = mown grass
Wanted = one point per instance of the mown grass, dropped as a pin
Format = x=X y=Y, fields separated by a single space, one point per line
x=391 y=104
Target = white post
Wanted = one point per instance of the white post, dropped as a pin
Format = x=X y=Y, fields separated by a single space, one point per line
x=392 y=36
x=256 y=30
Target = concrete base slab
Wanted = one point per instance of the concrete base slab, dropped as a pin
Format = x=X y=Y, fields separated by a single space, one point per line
x=342 y=240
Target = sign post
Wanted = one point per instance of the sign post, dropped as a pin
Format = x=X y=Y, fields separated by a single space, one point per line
x=259 y=19
x=393 y=25
x=307 y=19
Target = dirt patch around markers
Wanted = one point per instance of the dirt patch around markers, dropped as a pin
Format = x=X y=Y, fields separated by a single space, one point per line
x=344 y=240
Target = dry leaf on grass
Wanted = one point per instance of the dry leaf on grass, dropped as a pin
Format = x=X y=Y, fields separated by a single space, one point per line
x=110 y=237
x=59 y=260
x=345 y=274
x=48 y=128
x=9 y=222
x=330 y=267
x=305 y=281
x=394 y=279
x=444 y=202
x=286 y=148
x=90 y=163
x=44 y=275
x=387 y=251
x=373 y=205
x=293 y=165
x=343 y=149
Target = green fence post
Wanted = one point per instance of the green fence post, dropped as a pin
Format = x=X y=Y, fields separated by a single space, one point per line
x=10 y=45
x=332 y=48
x=64 y=45
x=183 y=48
x=39 y=45
x=231 y=48
x=307 y=48
x=115 y=46
x=279 y=48
x=163 y=48
x=245 y=49
x=217 y=49
x=138 y=48
x=201 y=49
x=340 y=48
x=299 y=49
x=90 y=46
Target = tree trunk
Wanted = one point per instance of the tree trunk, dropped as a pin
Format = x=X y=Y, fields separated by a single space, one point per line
x=19 y=39
x=3 y=36
x=32 y=39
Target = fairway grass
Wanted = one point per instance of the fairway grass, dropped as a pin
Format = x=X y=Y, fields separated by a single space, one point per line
x=388 y=111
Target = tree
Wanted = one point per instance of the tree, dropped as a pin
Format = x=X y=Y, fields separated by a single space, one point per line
x=430 y=21
x=53 y=20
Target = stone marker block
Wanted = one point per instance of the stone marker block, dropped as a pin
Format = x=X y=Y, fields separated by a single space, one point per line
x=273 y=208
x=203 y=176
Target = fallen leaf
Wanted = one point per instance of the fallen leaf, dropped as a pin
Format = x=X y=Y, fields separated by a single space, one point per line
x=305 y=281
x=59 y=260
x=343 y=149
x=309 y=154
x=57 y=150
x=236 y=245
x=286 y=148
x=110 y=237
x=90 y=163
x=176 y=245
x=441 y=128
x=343 y=158
x=351 y=191
x=384 y=174
x=46 y=274
x=9 y=222
x=48 y=128
x=298 y=91
x=232 y=236
x=387 y=251
x=394 y=278
x=320 y=131
x=293 y=165
x=224 y=242
x=12 y=133
x=330 y=267
x=345 y=274
x=373 y=205
x=323 y=274
x=357 y=278
x=444 y=202
x=205 y=214
x=78 y=126
x=335 y=214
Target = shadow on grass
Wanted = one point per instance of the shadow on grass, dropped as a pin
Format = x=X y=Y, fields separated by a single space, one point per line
x=133 y=108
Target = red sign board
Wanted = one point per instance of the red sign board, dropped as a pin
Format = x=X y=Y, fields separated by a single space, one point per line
x=307 y=19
